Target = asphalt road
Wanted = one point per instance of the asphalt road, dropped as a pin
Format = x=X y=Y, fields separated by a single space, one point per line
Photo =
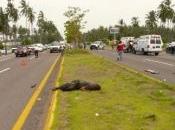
x=17 y=75
x=164 y=64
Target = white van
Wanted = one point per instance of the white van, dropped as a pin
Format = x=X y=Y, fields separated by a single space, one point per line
x=128 y=41
x=148 y=44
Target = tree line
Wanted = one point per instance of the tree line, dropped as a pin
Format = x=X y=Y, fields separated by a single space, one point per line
x=160 y=21
x=45 y=32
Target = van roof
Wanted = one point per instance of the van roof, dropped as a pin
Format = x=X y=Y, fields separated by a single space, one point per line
x=150 y=35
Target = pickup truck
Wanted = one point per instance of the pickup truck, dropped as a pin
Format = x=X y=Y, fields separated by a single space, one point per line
x=56 y=48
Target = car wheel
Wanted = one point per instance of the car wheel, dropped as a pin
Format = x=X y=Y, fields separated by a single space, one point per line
x=157 y=53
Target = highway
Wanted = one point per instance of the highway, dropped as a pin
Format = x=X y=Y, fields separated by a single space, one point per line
x=163 y=65
x=18 y=79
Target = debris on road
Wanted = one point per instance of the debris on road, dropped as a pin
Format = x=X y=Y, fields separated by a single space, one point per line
x=164 y=80
x=78 y=85
x=152 y=71
x=33 y=86
x=39 y=99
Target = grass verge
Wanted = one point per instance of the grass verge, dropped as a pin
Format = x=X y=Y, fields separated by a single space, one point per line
x=127 y=101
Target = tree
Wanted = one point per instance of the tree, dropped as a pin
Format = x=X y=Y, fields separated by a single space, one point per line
x=121 y=22
x=4 y=23
x=31 y=18
x=1 y=19
x=24 y=9
x=1 y=46
x=74 y=24
x=22 y=33
x=40 y=22
x=49 y=32
x=166 y=12
x=12 y=16
x=151 y=20
x=135 y=21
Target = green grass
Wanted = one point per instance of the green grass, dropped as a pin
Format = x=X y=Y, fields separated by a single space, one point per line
x=127 y=101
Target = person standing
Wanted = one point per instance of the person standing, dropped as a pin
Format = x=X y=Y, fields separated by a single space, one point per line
x=120 y=49
x=36 y=52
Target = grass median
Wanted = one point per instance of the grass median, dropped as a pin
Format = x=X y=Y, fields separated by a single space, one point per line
x=127 y=101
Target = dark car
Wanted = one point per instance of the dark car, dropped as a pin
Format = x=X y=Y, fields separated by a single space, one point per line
x=171 y=48
x=22 y=51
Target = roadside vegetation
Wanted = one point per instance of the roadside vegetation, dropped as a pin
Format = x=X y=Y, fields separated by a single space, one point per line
x=11 y=15
x=127 y=101
x=160 y=21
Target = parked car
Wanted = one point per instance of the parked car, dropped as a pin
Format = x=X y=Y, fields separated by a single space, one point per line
x=22 y=51
x=148 y=44
x=97 y=45
x=14 y=49
x=56 y=47
x=36 y=47
x=171 y=48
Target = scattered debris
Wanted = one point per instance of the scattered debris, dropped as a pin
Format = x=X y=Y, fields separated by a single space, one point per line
x=33 y=86
x=39 y=99
x=164 y=80
x=152 y=71
x=78 y=85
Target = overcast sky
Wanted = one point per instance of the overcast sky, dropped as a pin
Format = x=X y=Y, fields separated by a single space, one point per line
x=102 y=12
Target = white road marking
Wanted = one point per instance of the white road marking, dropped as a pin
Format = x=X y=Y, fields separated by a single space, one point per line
x=164 y=63
x=4 y=70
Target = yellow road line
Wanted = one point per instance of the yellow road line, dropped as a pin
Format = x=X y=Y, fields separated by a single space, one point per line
x=23 y=116
x=50 y=117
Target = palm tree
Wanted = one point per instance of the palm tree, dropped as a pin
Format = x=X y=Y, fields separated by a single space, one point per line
x=135 y=21
x=40 y=24
x=121 y=22
x=31 y=18
x=24 y=9
x=13 y=16
x=162 y=13
x=151 y=20
x=1 y=19
x=4 y=25
x=41 y=15
x=166 y=12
